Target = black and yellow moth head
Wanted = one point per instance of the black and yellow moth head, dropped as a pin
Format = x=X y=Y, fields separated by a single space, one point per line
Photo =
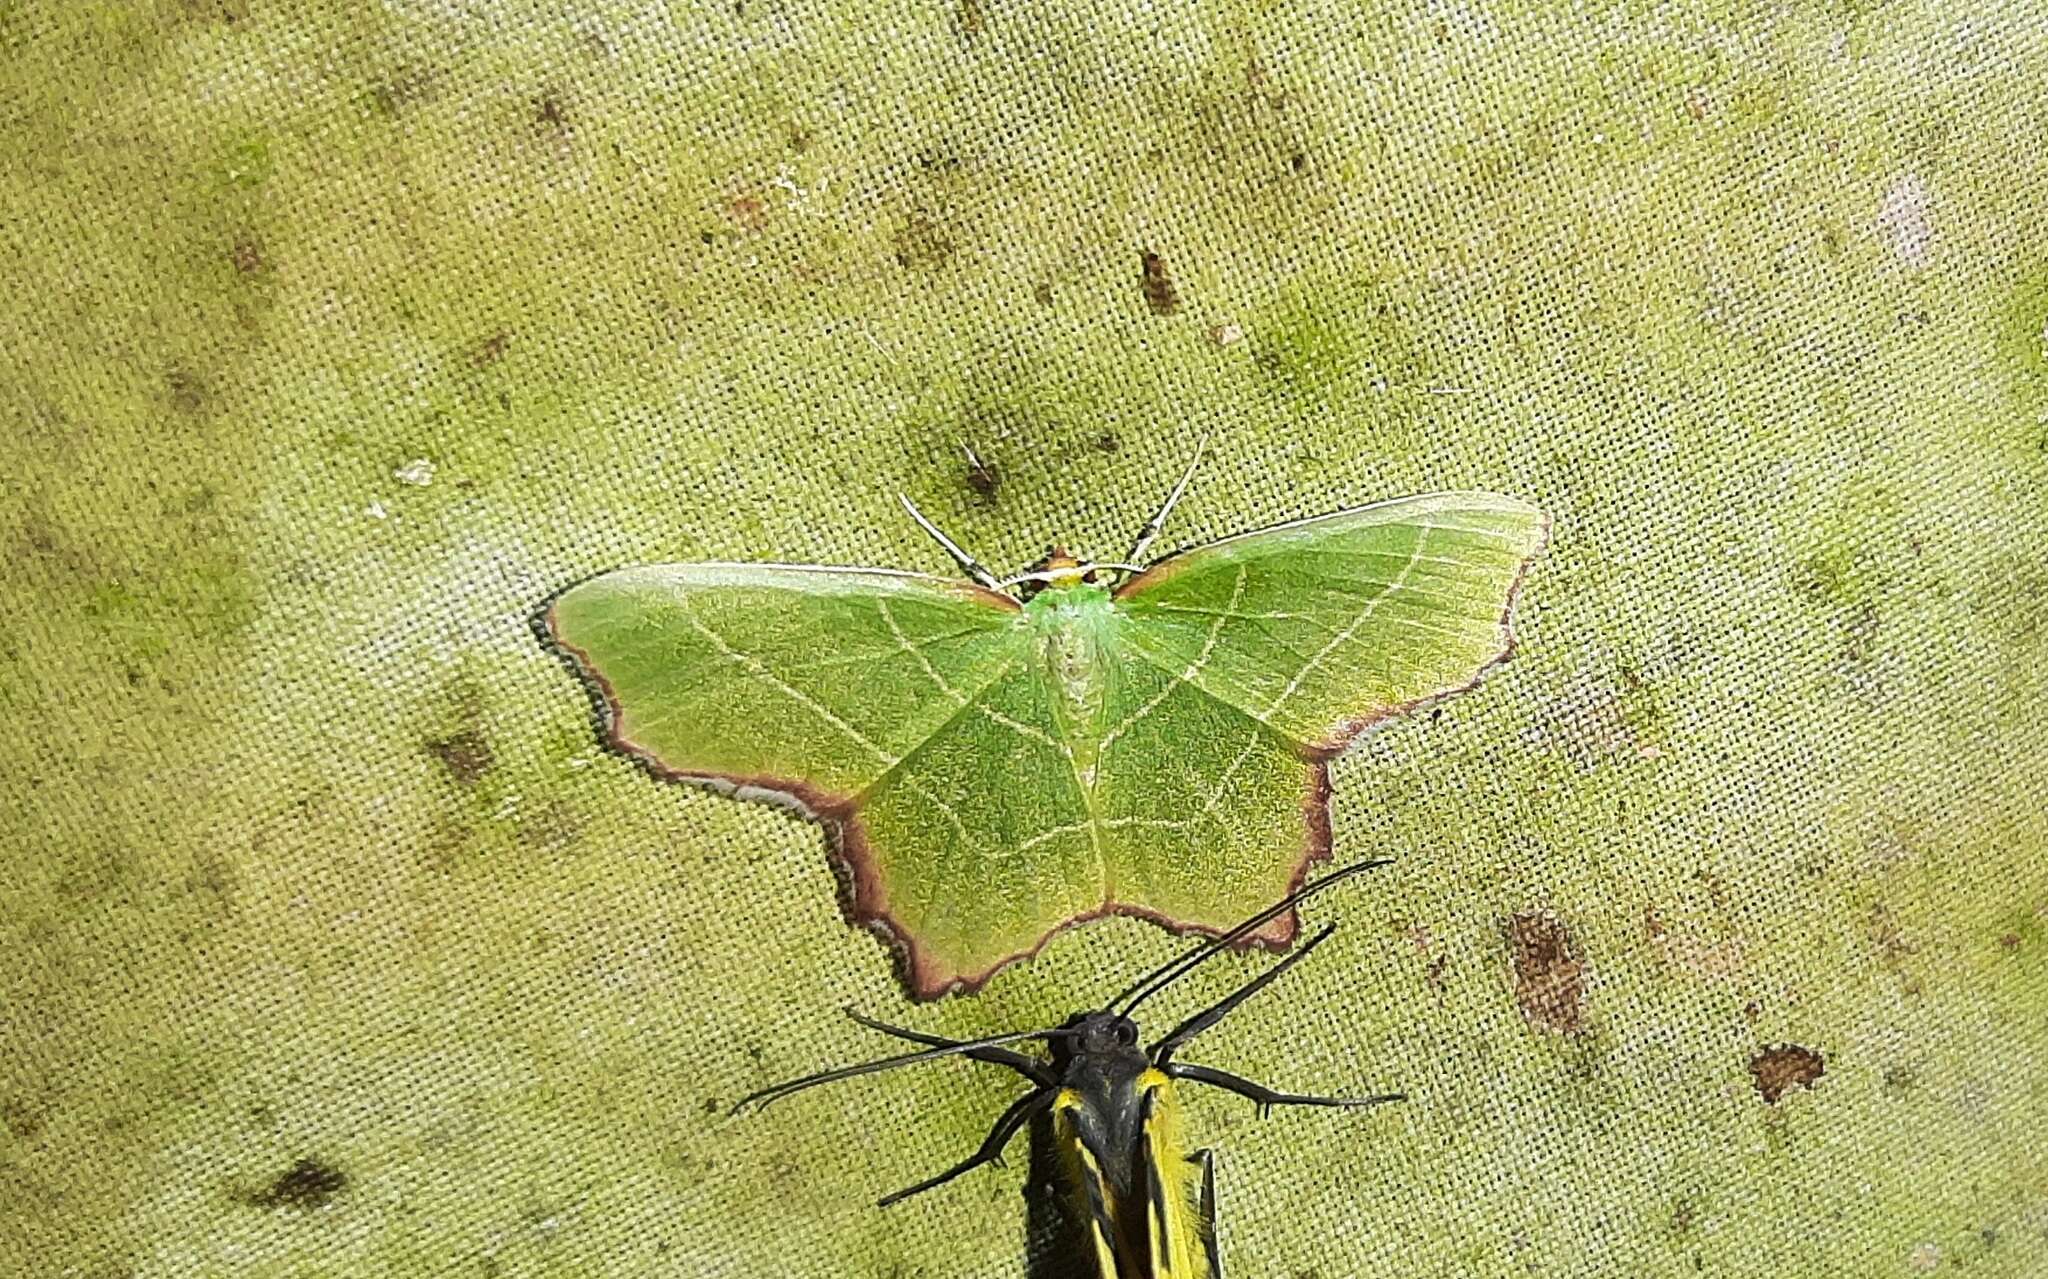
x=1099 y=1033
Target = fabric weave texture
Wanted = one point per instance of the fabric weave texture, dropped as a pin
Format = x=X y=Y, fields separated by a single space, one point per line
x=336 y=338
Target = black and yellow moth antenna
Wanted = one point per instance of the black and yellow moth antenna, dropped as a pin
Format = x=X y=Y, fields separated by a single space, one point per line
x=1178 y=967
x=770 y=1095
x=1026 y=1066
x=1163 y=1051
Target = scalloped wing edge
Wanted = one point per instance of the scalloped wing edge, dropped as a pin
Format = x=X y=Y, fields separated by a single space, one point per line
x=862 y=898
x=865 y=906
x=1346 y=733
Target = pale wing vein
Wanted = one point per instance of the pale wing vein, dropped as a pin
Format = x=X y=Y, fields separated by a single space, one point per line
x=970 y=705
x=795 y=694
x=1255 y=725
x=1303 y=618
x=1031 y=731
x=1393 y=588
x=1054 y=832
x=1505 y=535
x=1201 y=660
x=959 y=698
x=814 y=662
x=1209 y=804
x=1351 y=553
x=939 y=802
x=903 y=641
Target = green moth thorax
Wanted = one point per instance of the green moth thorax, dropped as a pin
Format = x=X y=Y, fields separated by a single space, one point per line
x=1074 y=629
x=995 y=760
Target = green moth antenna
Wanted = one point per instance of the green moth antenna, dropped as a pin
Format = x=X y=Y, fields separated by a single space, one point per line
x=1131 y=563
x=1158 y=522
x=968 y=564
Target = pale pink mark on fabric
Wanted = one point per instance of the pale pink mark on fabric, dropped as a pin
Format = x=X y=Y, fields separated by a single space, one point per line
x=1903 y=219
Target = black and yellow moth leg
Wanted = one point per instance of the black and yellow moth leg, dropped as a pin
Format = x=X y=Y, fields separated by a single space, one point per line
x=1007 y=1125
x=1207 y=1160
x=1265 y=1097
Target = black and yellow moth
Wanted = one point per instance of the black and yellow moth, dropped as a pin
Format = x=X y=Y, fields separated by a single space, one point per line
x=1145 y=1202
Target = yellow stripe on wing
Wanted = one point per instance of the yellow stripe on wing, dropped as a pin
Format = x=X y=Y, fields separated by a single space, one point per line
x=1084 y=1175
x=1180 y=1229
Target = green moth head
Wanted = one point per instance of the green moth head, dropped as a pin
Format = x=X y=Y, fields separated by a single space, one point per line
x=1061 y=571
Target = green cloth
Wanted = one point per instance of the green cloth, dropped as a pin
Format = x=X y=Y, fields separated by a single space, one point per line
x=335 y=337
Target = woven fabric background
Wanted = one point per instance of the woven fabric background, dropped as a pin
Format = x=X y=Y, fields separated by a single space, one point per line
x=334 y=337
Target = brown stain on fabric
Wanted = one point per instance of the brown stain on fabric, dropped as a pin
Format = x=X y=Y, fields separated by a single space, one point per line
x=1892 y=946
x=466 y=755
x=1160 y=295
x=552 y=826
x=490 y=350
x=748 y=211
x=307 y=1184
x=1589 y=725
x=1899 y=1081
x=223 y=12
x=982 y=476
x=1780 y=1068
x=188 y=389
x=1434 y=961
x=1550 y=972
x=922 y=244
x=21 y=1119
x=405 y=87
x=246 y=253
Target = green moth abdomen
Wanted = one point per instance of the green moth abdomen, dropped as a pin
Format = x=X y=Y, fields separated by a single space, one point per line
x=1075 y=650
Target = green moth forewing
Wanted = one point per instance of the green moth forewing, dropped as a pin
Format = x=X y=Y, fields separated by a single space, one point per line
x=995 y=761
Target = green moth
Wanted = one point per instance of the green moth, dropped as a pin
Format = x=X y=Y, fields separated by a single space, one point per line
x=1144 y=1204
x=994 y=760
